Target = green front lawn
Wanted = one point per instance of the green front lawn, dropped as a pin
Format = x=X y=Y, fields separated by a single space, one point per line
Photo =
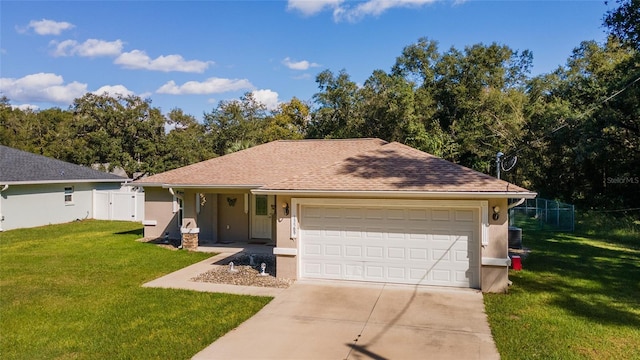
x=73 y=291
x=578 y=296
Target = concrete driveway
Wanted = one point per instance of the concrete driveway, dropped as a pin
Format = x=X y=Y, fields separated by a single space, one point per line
x=338 y=320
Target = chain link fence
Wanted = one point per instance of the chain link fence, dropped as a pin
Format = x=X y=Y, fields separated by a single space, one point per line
x=552 y=214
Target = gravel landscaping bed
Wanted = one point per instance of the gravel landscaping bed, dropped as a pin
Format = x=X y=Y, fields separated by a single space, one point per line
x=246 y=271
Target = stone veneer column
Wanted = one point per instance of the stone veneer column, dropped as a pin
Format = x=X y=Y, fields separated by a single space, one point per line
x=190 y=238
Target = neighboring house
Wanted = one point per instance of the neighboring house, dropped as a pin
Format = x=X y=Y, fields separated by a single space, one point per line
x=36 y=190
x=354 y=209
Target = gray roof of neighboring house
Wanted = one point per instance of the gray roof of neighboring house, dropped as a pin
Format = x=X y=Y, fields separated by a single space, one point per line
x=17 y=166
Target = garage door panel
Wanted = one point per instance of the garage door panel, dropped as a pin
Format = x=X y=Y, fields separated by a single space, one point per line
x=373 y=233
x=415 y=235
x=333 y=250
x=396 y=274
x=332 y=212
x=374 y=214
x=440 y=235
x=313 y=212
x=352 y=232
x=312 y=249
x=441 y=215
x=353 y=214
x=353 y=251
x=334 y=269
x=464 y=215
x=441 y=275
x=394 y=253
x=375 y=272
x=440 y=255
x=389 y=244
x=418 y=214
x=396 y=215
x=395 y=234
x=312 y=269
x=461 y=255
x=375 y=252
x=354 y=271
x=418 y=254
x=417 y=275
x=335 y=232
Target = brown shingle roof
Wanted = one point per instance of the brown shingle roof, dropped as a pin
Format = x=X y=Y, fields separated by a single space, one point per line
x=266 y=163
x=395 y=167
x=334 y=165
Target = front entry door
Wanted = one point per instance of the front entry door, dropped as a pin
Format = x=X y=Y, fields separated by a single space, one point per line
x=261 y=213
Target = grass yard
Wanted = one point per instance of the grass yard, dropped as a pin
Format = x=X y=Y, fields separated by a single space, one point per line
x=578 y=296
x=73 y=291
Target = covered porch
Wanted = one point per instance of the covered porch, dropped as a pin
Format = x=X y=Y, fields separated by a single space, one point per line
x=202 y=217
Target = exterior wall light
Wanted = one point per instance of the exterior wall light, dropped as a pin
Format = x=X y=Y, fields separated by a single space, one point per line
x=285 y=206
x=496 y=212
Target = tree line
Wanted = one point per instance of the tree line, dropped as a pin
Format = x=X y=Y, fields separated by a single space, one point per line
x=572 y=134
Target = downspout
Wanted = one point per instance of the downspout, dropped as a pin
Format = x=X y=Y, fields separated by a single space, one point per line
x=173 y=193
x=5 y=187
x=511 y=206
x=519 y=202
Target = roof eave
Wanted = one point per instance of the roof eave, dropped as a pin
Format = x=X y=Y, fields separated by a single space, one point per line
x=402 y=194
x=197 y=186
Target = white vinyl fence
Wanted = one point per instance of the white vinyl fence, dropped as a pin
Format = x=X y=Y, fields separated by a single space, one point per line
x=118 y=205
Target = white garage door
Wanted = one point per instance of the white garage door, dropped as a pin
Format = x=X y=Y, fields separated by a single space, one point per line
x=426 y=246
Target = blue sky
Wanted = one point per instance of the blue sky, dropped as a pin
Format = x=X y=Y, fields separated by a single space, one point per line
x=191 y=55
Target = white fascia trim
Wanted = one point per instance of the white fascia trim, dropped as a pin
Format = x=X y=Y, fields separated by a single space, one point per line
x=194 y=186
x=144 y=184
x=401 y=194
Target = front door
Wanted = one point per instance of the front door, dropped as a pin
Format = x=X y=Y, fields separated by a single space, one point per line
x=261 y=213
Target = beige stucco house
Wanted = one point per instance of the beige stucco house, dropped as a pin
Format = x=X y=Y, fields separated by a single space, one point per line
x=354 y=209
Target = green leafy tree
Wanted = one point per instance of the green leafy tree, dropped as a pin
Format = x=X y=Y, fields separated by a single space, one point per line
x=119 y=131
x=338 y=114
x=289 y=121
x=583 y=128
x=623 y=22
x=235 y=122
x=187 y=142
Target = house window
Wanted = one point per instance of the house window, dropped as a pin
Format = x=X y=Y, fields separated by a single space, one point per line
x=261 y=204
x=180 y=212
x=68 y=195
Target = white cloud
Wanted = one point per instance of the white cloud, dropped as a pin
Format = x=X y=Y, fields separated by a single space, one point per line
x=267 y=97
x=42 y=87
x=298 y=65
x=25 y=107
x=114 y=90
x=312 y=7
x=49 y=27
x=346 y=11
x=210 y=86
x=138 y=59
x=376 y=8
x=89 y=48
